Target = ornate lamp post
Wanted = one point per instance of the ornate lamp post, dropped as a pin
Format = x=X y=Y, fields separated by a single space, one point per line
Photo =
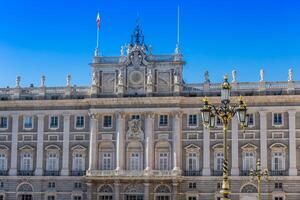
x=225 y=113
x=259 y=175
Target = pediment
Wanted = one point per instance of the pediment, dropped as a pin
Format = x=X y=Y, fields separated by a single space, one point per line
x=26 y=147
x=249 y=146
x=78 y=147
x=192 y=147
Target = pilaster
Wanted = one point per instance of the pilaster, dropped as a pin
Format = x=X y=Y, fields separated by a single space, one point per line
x=263 y=139
x=66 y=144
x=93 y=141
x=176 y=129
x=120 y=147
x=40 y=146
x=292 y=143
x=146 y=191
x=206 y=152
x=117 y=190
x=149 y=149
x=14 y=145
x=235 y=147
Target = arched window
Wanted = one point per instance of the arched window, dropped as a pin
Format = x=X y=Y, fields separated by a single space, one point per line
x=134 y=192
x=162 y=192
x=105 y=192
x=249 y=188
x=24 y=191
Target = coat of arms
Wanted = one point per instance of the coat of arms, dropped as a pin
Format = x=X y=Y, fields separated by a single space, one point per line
x=134 y=130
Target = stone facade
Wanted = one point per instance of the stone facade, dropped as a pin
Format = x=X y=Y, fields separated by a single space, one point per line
x=136 y=134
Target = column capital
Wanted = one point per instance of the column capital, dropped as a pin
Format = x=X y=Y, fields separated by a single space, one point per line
x=120 y=114
x=40 y=115
x=150 y=114
x=177 y=114
x=292 y=113
x=263 y=112
x=66 y=114
x=93 y=115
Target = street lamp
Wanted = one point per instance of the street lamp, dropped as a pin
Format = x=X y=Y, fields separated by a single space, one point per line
x=259 y=174
x=225 y=113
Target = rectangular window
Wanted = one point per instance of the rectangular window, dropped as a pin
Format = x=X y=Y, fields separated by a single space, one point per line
x=78 y=162
x=105 y=197
x=79 y=137
x=106 y=161
x=51 y=197
x=3 y=162
x=1 y=197
x=251 y=119
x=107 y=121
x=77 y=198
x=218 y=121
x=52 y=162
x=163 y=120
x=192 y=120
x=77 y=185
x=163 y=161
x=192 y=198
x=278 y=185
x=192 y=185
x=134 y=161
x=51 y=185
x=278 y=198
x=277 y=119
x=54 y=122
x=53 y=137
x=192 y=162
x=27 y=137
x=28 y=122
x=26 y=162
x=3 y=122
x=79 y=121
x=135 y=117
x=1 y=184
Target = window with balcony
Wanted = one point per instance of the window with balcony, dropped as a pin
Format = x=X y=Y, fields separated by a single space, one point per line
x=134 y=161
x=79 y=122
x=163 y=120
x=249 y=160
x=78 y=161
x=278 y=162
x=107 y=121
x=28 y=122
x=277 y=119
x=192 y=162
x=192 y=120
x=52 y=161
x=3 y=122
x=26 y=161
x=107 y=161
x=53 y=122
x=3 y=161
x=219 y=157
x=163 y=161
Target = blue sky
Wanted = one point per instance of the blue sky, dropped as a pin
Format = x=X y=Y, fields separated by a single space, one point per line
x=58 y=37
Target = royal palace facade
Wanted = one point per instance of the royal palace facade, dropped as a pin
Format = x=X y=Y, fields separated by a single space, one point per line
x=136 y=134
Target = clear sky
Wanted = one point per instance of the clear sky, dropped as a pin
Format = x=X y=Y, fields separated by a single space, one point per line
x=58 y=37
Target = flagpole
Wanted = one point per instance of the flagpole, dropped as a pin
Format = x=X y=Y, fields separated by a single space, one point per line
x=98 y=30
x=178 y=12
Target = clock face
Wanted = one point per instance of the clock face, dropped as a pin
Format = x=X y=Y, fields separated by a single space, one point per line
x=136 y=77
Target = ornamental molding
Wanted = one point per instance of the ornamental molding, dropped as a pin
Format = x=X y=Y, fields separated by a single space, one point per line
x=135 y=130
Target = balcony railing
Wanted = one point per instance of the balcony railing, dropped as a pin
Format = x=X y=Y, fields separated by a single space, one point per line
x=192 y=173
x=25 y=173
x=245 y=173
x=51 y=173
x=128 y=173
x=3 y=172
x=217 y=173
x=77 y=173
x=278 y=173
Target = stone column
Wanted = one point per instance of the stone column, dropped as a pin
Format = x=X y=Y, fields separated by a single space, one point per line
x=66 y=144
x=89 y=191
x=146 y=191
x=292 y=143
x=149 y=148
x=263 y=140
x=176 y=128
x=175 y=192
x=117 y=190
x=14 y=145
x=120 y=147
x=235 y=147
x=40 y=146
x=93 y=157
x=206 y=152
